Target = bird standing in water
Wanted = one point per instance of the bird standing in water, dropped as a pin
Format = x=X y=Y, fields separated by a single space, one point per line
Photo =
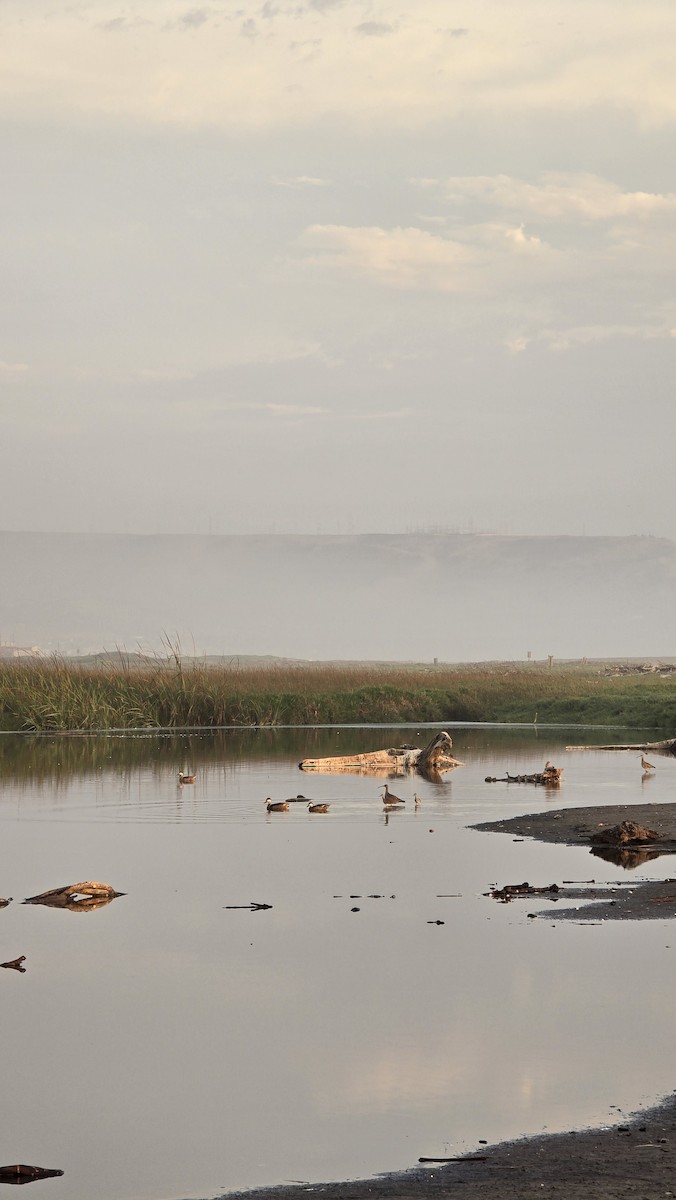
x=646 y=765
x=389 y=797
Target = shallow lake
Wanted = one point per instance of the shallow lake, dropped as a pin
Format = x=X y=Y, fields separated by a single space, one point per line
x=166 y=1045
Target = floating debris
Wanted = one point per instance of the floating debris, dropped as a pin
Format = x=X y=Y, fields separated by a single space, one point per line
x=549 y=776
x=77 y=897
x=21 y=1173
x=513 y=891
x=252 y=907
x=16 y=964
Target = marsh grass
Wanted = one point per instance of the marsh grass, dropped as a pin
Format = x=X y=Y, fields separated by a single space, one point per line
x=55 y=694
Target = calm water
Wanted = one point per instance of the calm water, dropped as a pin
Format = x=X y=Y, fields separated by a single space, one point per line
x=165 y=1046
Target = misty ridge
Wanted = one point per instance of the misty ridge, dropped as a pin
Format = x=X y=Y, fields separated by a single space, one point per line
x=457 y=597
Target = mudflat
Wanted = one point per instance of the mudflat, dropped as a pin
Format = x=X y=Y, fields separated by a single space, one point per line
x=634 y=1159
x=633 y=899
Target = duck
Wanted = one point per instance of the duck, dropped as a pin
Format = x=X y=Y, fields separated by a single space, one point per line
x=279 y=806
x=647 y=766
x=186 y=778
x=389 y=797
x=317 y=807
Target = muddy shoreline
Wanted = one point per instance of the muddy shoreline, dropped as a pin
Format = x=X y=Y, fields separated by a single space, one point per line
x=635 y=1158
x=631 y=899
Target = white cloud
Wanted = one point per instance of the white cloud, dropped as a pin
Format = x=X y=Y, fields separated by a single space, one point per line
x=560 y=196
x=520 y=58
x=301 y=181
x=12 y=368
x=478 y=259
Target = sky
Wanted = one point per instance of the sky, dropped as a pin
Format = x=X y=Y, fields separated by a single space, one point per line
x=337 y=266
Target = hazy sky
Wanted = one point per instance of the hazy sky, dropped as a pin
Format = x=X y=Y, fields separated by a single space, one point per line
x=338 y=265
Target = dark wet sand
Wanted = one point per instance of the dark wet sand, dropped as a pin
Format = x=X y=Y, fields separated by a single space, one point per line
x=630 y=899
x=636 y=1159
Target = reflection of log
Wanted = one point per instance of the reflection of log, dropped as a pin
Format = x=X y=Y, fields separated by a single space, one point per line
x=77 y=897
x=434 y=758
x=20 y=1173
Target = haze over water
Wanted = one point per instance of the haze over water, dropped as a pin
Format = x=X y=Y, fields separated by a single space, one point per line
x=165 y=1046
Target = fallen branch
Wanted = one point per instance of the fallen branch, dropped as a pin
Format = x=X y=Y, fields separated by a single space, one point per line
x=15 y=964
x=512 y=890
x=77 y=896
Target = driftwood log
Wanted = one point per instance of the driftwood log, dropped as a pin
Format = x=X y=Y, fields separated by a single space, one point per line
x=77 y=897
x=667 y=746
x=436 y=757
x=550 y=777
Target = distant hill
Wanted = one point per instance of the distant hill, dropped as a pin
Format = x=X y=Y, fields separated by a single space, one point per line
x=457 y=597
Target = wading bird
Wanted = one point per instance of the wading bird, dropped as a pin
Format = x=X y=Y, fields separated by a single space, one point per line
x=389 y=797
x=317 y=807
x=186 y=778
x=417 y=799
x=646 y=765
x=280 y=806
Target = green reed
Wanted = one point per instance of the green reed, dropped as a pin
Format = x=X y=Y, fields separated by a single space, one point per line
x=55 y=694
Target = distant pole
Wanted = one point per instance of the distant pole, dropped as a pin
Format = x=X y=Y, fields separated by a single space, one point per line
x=551 y=660
x=529 y=655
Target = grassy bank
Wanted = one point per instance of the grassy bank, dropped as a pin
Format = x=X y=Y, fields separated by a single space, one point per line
x=55 y=695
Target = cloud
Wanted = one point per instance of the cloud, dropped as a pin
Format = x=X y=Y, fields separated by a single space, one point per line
x=300 y=181
x=402 y=258
x=12 y=368
x=374 y=29
x=560 y=196
x=57 y=60
x=193 y=19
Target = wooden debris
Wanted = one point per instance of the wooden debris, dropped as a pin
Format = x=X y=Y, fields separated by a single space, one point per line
x=666 y=746
x=433 y=759
x=626 y=834
x=513 y=891
x=16 y=964
x=21 y=1173
x=77 y=897
x=549 y=777
x=252 y=907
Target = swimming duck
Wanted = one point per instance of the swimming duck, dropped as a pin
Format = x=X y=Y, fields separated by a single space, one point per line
x=317 y=807
x=186 y=778
x=279 y=806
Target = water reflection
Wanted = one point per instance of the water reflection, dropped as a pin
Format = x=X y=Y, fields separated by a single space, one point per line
x=231 y=1049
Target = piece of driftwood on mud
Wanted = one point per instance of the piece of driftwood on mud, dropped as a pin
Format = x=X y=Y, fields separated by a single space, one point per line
x=431 y=760
x=22 y=1173
x=667 y=746
x=626 y=834
x=77 y=897
x=16 y=964
x=512 y=891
